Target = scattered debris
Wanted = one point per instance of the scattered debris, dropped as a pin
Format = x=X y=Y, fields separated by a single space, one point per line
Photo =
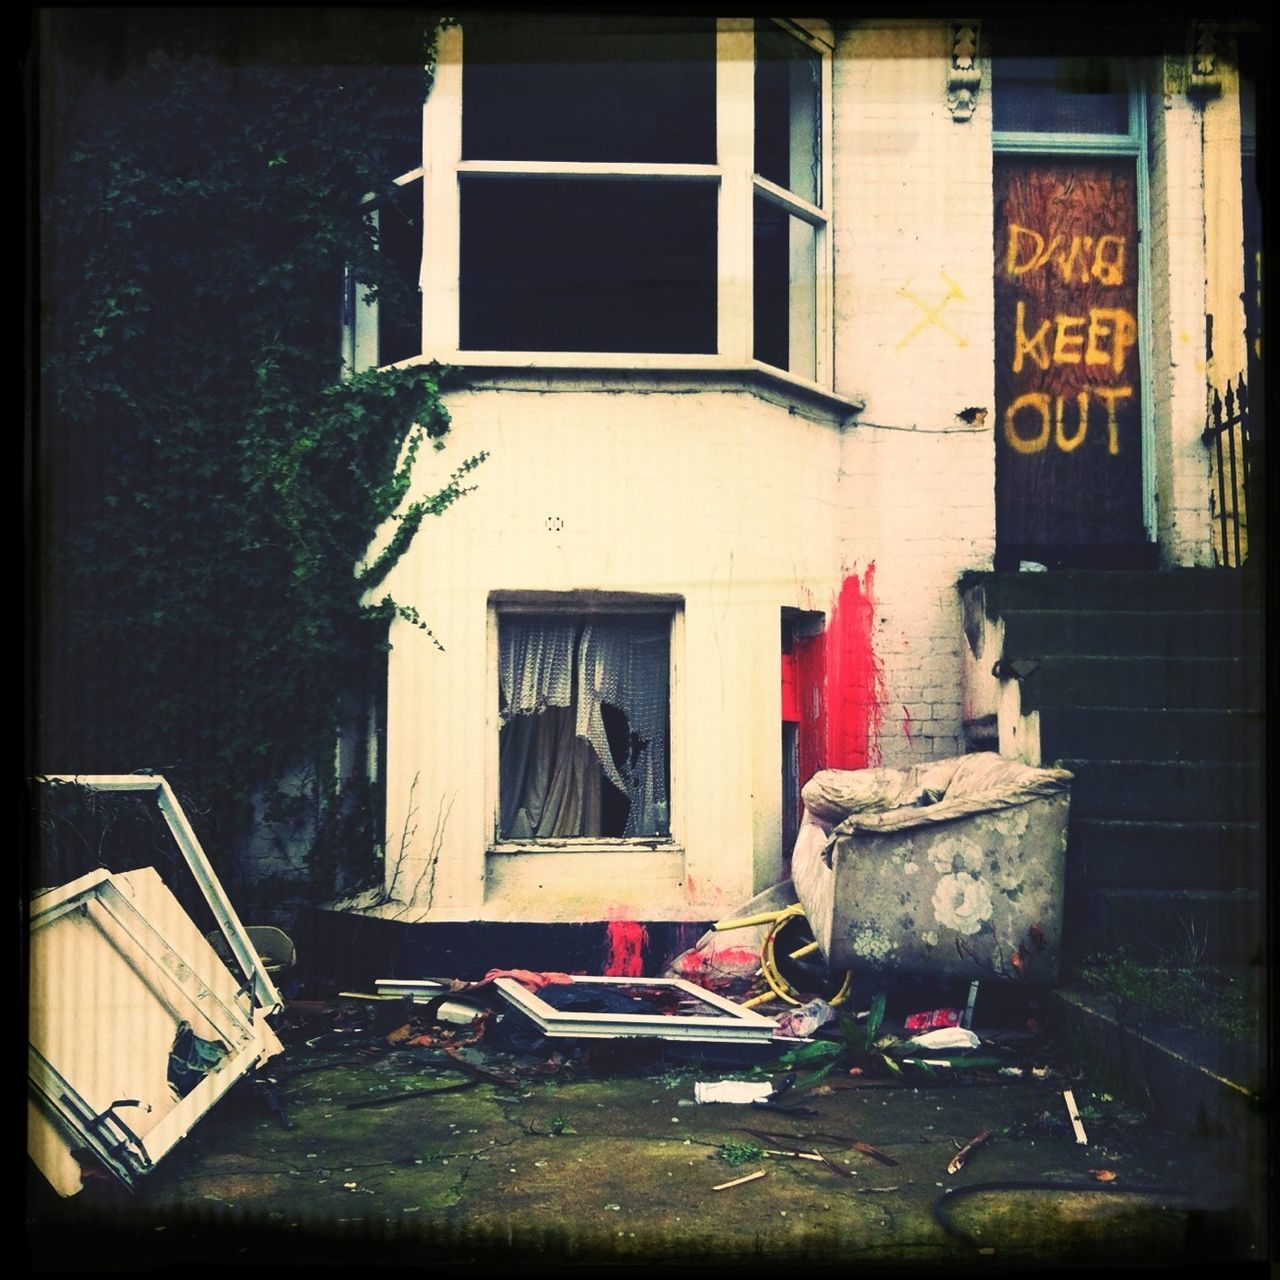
x=961 y=1156
x=410 y=1093
x=735 y=1091
x=875 y=1153
x=611 y=1008
x=831 y=1164
x=737 y=1182
x=1103 y=1175
x=877 y=818
x=136 y=1027
x=1073 y=1111
x=945 y=1038
x=806 y=1019
x=966 y=1019
x=191 y=1059
x=933 y=1020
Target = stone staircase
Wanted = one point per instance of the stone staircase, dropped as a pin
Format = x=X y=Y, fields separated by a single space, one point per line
x=1149 y=687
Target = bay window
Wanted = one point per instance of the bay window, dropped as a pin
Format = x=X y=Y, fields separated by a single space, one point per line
x=621 y=191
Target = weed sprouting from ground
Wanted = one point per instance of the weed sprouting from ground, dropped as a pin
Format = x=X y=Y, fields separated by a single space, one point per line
x=736 y=1153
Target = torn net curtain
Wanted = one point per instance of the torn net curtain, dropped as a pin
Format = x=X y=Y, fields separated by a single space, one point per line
x=555 y=677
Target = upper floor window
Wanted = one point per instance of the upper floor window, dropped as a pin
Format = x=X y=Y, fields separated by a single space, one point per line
x=648 y=188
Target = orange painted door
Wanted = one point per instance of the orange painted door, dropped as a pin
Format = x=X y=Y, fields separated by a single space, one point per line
x=1068 y=385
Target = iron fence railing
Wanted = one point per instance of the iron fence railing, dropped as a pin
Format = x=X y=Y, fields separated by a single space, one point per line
x=1232 y=434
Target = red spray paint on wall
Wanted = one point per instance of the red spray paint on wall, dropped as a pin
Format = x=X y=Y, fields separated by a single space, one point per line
x=855 y=678
x=624 y=955
x=840 y=685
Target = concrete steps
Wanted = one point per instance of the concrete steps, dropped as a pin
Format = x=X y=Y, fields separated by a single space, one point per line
x=1149 y=688
x=1161 y=733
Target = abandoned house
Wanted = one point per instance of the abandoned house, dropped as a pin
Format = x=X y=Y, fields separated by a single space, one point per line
x=847 y=389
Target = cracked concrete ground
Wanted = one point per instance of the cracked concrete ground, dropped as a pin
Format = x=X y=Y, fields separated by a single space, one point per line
x=609 y=1158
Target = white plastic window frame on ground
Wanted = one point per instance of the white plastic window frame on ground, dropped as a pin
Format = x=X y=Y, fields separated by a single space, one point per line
x=174 y=979
x=259 y=990
x=572 y=606
x=738 y=189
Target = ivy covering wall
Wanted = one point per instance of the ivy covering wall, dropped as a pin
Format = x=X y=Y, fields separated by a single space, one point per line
x=205 y=479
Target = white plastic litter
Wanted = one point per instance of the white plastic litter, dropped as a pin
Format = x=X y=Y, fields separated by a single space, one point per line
x=806 y=1019
x=739 y=1091
x=946 y=1038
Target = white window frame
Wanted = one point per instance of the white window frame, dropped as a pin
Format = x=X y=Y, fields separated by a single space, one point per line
x=576 y=605
x=360 y=318
x=732 y=174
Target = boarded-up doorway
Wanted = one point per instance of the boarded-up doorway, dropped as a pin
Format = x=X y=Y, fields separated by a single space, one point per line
x=1069 y=486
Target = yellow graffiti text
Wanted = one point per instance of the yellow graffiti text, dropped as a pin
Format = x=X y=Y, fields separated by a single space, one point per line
x=1110 y=323
x=1050 y=418
x=1084 y=259
x=1111 y=332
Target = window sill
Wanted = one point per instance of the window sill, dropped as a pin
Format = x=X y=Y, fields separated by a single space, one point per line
x=644 y=373
x=656 y=844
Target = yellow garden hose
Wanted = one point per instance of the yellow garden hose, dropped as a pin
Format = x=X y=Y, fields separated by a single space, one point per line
x=777 y=982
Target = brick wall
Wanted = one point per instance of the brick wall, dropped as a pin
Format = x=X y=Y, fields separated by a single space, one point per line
x=914 y=321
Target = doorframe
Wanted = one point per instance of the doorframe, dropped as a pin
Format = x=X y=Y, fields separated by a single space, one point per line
x=1100 y=145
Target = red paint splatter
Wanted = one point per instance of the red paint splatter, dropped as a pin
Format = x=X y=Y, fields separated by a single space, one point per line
x=855 y=679
x=690 y=889
x=839 y=686
x=716 y=969
x=624 y=957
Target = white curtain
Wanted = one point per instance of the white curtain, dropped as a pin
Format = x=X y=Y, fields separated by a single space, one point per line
x=555 y=676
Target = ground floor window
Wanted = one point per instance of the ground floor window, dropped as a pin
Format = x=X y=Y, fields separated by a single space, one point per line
x=584 y=708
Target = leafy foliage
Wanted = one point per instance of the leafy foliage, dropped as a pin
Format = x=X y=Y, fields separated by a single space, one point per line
x=207 y=479
x=739 y=1153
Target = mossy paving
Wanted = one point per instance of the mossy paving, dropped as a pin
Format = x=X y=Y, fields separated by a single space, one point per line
x=615 y=1166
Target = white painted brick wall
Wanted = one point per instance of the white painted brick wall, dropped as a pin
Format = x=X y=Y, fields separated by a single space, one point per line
x=1178 y=327
x=741 y=507
x=914 y=308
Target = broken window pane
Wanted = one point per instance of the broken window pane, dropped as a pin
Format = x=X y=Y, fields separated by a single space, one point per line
x=584 y=701
x=788 y=98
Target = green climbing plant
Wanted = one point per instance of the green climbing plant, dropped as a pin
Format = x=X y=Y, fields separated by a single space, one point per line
x=208 y=476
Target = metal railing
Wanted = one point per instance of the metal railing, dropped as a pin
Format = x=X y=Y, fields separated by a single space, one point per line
x=1230 y=432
